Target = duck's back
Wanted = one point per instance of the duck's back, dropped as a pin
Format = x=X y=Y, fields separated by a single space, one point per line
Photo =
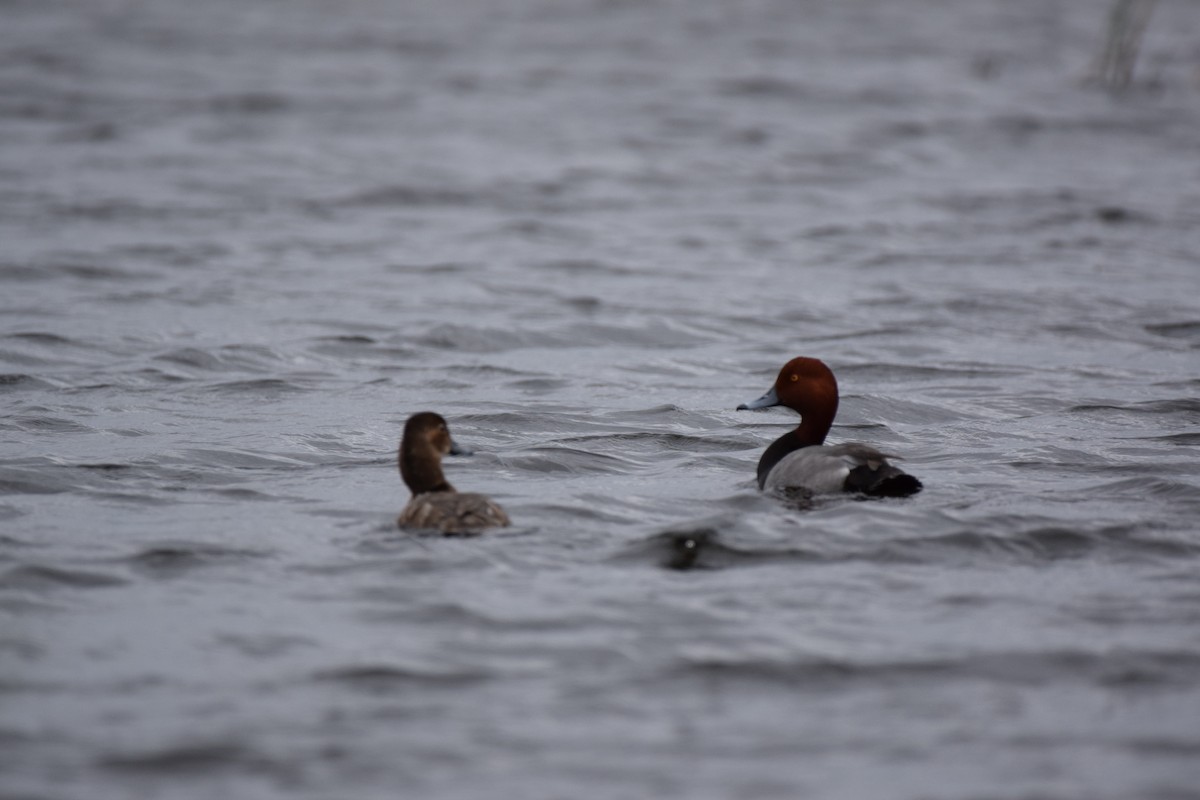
x=851 y=467
x=452 y=512
x=817 y=468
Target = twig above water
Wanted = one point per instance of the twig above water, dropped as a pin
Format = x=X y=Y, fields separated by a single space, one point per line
x=1126 y=24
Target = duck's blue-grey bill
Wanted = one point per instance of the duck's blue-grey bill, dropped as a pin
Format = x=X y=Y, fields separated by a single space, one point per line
x=458 y=450
x=766 y=401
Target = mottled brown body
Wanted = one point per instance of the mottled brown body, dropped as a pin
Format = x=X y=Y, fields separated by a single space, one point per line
x=452 y=512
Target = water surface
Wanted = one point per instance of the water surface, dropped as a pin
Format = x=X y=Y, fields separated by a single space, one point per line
x=243 y=241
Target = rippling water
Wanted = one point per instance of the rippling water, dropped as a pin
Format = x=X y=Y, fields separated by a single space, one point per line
x=243 y=241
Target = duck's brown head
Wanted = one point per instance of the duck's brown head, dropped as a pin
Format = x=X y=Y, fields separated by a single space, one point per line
x=807 y=386
x=426 y=440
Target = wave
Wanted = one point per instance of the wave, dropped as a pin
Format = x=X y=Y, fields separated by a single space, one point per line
x=386 y=678
x=195 y=759
x=41 y=577
x=171 y=559
x=568 y=460
x=264 y=388
x=14 y=381
x=735 y=541
x=1125 y=668
x=1186 y=406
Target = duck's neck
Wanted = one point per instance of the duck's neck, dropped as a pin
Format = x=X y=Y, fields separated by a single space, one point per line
x=421 y=468
x=811 y=431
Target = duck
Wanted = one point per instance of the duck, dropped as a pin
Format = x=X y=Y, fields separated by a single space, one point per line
x=800 y=459
x=435 y=504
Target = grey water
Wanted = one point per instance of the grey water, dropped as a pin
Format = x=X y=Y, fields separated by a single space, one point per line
x=242 y=240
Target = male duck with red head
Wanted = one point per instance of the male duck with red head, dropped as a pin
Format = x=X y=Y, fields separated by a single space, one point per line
x=435 y=504
x=801 y=459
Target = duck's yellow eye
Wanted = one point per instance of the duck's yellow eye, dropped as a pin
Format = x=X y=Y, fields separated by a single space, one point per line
x=795 y=377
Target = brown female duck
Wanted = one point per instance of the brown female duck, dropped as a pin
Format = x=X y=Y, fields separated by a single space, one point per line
x=435 y=504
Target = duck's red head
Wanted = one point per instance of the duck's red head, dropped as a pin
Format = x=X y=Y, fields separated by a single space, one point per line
x=808 y=387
